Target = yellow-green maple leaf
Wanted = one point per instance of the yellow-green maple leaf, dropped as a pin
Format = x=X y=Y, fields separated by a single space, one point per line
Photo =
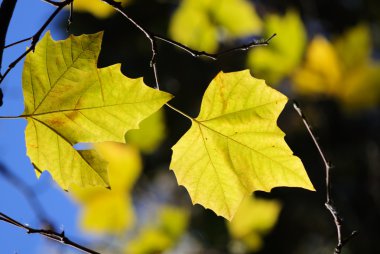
x=111 y=210
x=199 y=24
x=234 y=146
x=69 y=100
x=285 y=52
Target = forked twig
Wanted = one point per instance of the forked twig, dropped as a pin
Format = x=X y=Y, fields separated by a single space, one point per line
x=6 y=12
x=329 y=200
x=153 y=41
x=36 y=37
x=51 y=234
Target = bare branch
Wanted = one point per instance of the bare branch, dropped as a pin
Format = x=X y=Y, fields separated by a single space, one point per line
x=51 y=234
x=35 y=38
x=17 y=42
x=6 y=12
x=329 y=200
x=153 y=38
x=215 y=56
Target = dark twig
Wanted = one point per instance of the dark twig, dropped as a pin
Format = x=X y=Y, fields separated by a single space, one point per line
x=70 y=20
x=55 y=3
x=329 y=200
x=29 y=194
x=37 y=35
x=153 y=38
x=17 y=42
x=215 y=56
x=51 y=234
x=6 y=12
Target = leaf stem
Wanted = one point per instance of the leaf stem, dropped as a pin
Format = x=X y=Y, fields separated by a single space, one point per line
x=10 y=117
x=179 y=111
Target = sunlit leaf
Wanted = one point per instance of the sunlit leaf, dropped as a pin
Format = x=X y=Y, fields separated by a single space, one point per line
x=97 y=8
x=212 y=20
x=69 y=100
x=234 y=146
x=105 y=210
x=285 y=51
x=254 y=218
x=160 y=234
x=151 y=133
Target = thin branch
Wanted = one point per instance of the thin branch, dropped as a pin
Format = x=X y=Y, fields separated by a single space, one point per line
x=215 y=56
x=53 y=2
x=17 y=42
x=70 y=19
x=51 y=234
x=6 y=12
x=329 y=200
x=37 y=35
x=153 y=38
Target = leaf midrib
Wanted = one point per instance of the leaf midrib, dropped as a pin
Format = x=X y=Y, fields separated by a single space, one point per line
x=79 y=109
x=60 y=76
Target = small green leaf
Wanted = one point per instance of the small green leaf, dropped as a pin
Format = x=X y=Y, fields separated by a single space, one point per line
x=69 y=99
x=234 y=146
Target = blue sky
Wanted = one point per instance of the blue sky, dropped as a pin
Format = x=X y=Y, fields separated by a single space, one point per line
x=28 y=17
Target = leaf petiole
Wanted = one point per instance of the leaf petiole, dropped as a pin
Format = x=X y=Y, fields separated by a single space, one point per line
x=179 y=111
x=10 y=117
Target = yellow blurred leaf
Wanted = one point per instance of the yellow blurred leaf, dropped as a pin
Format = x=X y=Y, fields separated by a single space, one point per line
x=354 y=47
x=201 y=24
x=284 y=52
x=254 y=218
x=342 y=70
x=321 y=71
x=97 y=8
x=151 y=132
x=111 y=211
x=160 y=234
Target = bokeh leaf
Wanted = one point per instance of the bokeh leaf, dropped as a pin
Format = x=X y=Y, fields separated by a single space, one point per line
x=285 y=51
x=97 y=8
x=254 y=218
x=321 y=71
x=111 y=210
x=151 y=132
x=69 y=100
x=211 y=20
x=341 y=70
x=234 y=146
x=160 y=234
